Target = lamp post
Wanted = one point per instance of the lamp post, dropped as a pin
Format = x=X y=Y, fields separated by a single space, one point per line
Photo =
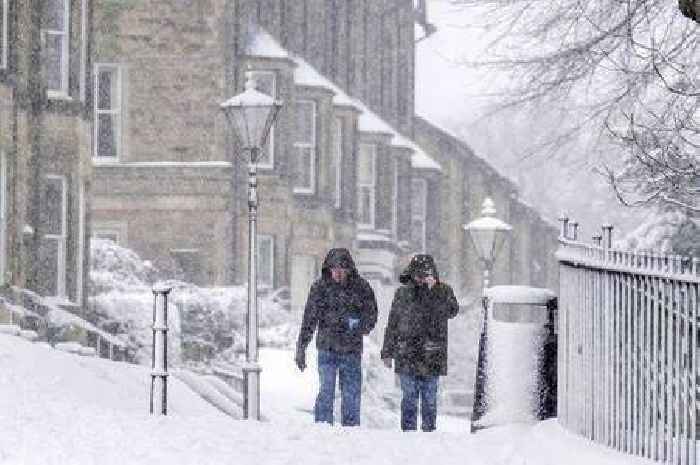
x=250 y=116
x=488 y=234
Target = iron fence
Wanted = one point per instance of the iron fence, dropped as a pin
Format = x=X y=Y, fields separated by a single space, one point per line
x=628 y=349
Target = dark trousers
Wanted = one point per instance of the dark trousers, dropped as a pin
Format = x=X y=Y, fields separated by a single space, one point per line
x=413 y=388
x=348 y=368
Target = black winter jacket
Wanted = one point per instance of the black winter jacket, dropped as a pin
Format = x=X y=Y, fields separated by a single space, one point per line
x=331 y=305
x=416 y=333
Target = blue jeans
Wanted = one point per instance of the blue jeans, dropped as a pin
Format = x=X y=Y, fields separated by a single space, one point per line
x=413 y=387
x=348 y=367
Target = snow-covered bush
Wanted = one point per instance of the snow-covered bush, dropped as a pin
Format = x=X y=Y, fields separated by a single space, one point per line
x=204 y=322
x=668 y=231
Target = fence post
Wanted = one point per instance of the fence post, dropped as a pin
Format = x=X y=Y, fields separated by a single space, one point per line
x=607 y=236
x=159 y=372
x=574 y=227
x=564 y=227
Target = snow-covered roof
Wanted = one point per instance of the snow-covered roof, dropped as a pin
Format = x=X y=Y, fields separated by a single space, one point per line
x=263 y=44
x=307 y=75
x=519 y=294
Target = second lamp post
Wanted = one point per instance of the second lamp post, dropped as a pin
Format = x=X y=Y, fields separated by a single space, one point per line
x=488 y=234
x=250 y=115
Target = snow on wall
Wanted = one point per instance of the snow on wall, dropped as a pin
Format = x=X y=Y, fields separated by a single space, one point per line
x=511 y=387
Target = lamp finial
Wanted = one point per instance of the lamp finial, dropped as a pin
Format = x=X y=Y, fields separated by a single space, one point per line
x=488 y=208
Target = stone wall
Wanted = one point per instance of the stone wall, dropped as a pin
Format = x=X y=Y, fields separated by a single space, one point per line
x=44 y=140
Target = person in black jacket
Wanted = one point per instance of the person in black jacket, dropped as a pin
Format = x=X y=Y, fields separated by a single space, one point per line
x=342 y=306
x=416 y=339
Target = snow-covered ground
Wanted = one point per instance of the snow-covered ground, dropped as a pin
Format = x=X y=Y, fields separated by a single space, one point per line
x=59 y=408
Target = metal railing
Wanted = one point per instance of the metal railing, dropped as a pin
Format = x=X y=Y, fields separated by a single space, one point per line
x=628 y=349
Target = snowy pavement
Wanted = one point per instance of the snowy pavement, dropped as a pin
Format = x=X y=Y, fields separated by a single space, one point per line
x=59 y=408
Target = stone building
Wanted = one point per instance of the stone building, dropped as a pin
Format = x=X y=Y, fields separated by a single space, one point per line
x=341 y=167
x=45 y=140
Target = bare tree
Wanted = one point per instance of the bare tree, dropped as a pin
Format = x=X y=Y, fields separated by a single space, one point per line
x=628 y=68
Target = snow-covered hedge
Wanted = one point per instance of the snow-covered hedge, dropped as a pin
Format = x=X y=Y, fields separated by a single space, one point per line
x=204 y=322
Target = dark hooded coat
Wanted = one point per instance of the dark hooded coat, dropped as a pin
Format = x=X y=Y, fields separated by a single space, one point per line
x=416 y=333
x=331 y=305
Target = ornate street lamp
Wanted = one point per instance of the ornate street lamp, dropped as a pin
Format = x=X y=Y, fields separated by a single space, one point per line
x=488 y=235
x=250 y=115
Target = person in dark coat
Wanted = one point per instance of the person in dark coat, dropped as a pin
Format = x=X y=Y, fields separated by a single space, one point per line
x=416 y=339
x=342 y=307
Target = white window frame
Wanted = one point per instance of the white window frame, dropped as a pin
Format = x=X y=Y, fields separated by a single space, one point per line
x=117 y=112
x=308 y=145
x=81 y=241
x=338 y=133
x=3 y=216
x=372 y=188
x=422 y=217
x=270 y=145
x=61 y=238
x=83 y=48
x=271 y=239
x=4 y=46
x=62 y=93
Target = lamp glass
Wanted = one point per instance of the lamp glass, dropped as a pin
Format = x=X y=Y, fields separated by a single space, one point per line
x=484 y=242
x=250 y=115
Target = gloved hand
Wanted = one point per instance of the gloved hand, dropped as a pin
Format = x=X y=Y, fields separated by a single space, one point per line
x=353 y=323
x=300 y=358
x=387 y=362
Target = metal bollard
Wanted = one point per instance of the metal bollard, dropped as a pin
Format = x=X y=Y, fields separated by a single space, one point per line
x=159 y=367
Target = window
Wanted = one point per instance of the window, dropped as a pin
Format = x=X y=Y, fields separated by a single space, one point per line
x=3 y=216
x=55 y=237
x=266 y=261
x=305 y=147
x=266 y=83
x=419 y=197
x=366 y=184
x=107 y=235
x=189 y=262
x=56 y=36
x=3 y=34
x=108 y=112
x=110 y=231
x=83 y=47
x=336 y=162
